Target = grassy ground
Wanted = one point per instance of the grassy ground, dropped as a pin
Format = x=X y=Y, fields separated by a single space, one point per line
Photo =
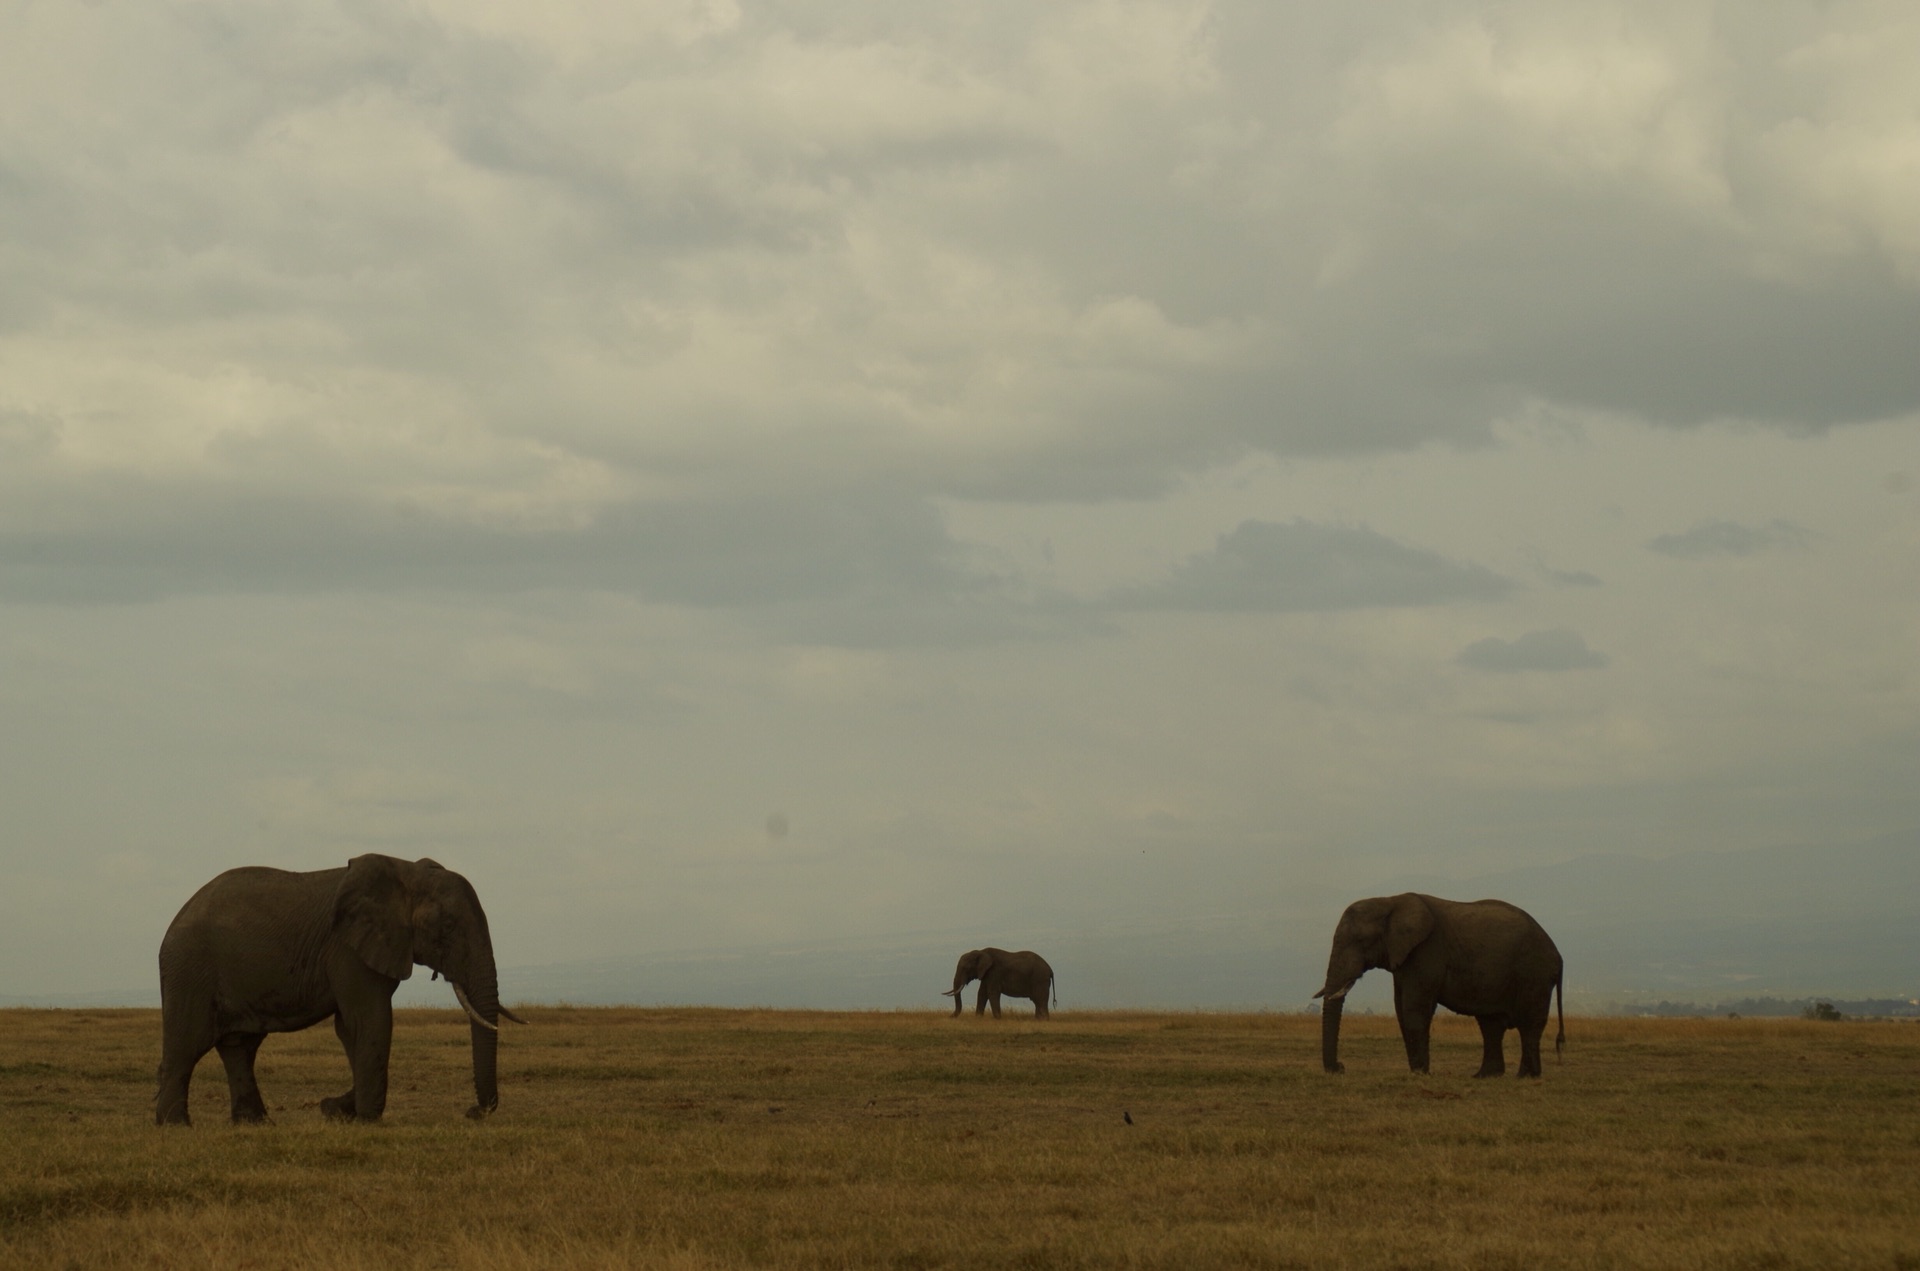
x=719 y=1139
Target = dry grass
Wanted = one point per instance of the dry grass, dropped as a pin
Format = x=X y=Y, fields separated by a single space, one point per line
x=695 y=1140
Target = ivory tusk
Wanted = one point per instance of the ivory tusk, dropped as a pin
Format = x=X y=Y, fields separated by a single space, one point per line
x=949 y=992
x=477 y=1017
x=510 y=1015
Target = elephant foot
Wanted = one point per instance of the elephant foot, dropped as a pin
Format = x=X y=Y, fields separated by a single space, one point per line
x=478 y=1113
x=250 y=1116
x=1336 y=1068
x=170 y=1102
x=340 y=1109
x=1491 y=1072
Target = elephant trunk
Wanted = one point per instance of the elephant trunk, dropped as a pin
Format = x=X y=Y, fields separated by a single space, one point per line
x=1330 y=1033
x=1343 y=971
x=959 y=991
x=483 y=993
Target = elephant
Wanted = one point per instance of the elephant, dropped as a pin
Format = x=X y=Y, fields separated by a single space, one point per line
x=1022 y=974
x=1484 y=958
x=260 y=951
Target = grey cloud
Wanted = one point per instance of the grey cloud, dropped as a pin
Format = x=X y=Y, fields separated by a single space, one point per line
x=1556 y=650
x=1728 y=538
x=25 y=434
x=1300 y=566
x=1574 y=577
x=1442 y=273
x=844 y=567
x=1612 y=302
x=1698 y=341
x=717 y=553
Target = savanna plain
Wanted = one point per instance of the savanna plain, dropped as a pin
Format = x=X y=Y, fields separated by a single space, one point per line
x=706 y=1139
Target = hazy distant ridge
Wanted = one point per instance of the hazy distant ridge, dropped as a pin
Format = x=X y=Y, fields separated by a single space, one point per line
x=1790 y=923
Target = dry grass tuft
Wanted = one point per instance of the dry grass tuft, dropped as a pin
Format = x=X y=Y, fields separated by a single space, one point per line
x=679 y=1140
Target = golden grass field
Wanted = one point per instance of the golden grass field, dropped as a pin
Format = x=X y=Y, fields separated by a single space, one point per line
x=695 y=1139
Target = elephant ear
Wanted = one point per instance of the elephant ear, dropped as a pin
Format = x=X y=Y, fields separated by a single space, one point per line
x=982 y=964
x=372 y=913
x=1408 y=923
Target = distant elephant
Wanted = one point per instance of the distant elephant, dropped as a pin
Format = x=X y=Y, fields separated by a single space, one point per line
x=1022 y=974
x=1483 y=958
x=260 y=951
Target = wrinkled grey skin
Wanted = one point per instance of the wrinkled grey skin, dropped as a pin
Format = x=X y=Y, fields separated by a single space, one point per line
x=1022 y=974
x=1483 y=958
x=260 y=951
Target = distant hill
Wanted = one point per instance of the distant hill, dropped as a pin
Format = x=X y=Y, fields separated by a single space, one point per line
x=1699 y=931
x=148 y=996
x=1794 y=923
x=1776 y=1007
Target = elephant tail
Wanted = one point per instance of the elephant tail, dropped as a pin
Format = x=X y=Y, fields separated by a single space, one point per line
x=1055 y=986
x=1560 y=1000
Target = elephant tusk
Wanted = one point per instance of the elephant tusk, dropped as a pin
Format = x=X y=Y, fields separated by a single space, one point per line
x=949 y=992
x=510 y=1015
x=478 y=1018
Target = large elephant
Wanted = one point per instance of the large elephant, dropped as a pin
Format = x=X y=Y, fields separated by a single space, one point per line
x=260 y=951
x=1022 y=974
x=1483 y=958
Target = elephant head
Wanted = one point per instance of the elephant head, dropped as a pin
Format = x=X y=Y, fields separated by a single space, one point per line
x=394 y=913
x=1379 y=932
x=974 y=965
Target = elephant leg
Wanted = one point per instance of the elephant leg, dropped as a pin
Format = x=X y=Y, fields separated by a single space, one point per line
x=236 y=1052
x=1530 y=1032
x=1493 y=1035
x=348 y=1106
x=341 y=1108
x=1415 y=1012
x=184 y=1041
x=1040 y=1006
x=371 y=1041
x=980 y=1002
x=170 y=1100
x=996 y=1005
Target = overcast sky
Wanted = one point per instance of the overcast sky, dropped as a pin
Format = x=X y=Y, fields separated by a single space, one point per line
x=724 y=473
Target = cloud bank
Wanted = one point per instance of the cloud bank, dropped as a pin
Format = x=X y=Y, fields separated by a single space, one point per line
x=1725 y=538
x=1555 y=650
x=1303 y=567
x=453 y=283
